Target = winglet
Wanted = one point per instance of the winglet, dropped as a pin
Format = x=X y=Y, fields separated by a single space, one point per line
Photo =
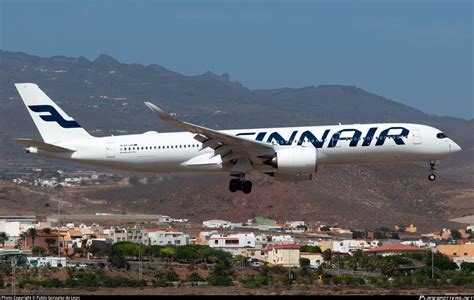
x=164 y=116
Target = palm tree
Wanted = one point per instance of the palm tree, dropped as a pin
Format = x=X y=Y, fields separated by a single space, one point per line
x=49 y=242
x=327 y=255
x=3 y=238
x=32 y=233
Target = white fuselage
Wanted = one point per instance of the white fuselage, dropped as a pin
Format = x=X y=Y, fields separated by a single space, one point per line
x=336 y=144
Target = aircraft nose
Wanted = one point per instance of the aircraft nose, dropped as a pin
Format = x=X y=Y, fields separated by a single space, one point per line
x=454 y=147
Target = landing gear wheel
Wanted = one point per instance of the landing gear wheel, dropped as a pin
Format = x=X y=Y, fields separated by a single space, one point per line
x=247 y=187
x=234 y=185
x=432 y=177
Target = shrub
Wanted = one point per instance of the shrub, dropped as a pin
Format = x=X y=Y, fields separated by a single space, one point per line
x=462 y=279
x=38 y=250
x=304 y=262
x=310 y=249
x=194 y=277
x=467 y=267
x=255 y=281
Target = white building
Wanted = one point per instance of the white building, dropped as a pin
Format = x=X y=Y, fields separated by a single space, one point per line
x=419 y=243
x=167 y=237
x=51 y=261
x=283 y=255
x=232 y=241
x=10 y=228
x=282 y=239
x=315 y=259
x=349 y=246
x=295 y=224
x=117 y=235
x=217 y=224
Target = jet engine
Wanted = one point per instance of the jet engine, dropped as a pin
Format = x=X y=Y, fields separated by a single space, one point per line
x=294 y=160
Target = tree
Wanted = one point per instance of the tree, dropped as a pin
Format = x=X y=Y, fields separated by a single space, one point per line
x=38 y=250
x=220 y=273
x=359 y=235
x=117 y=260
x=134 y=180
x=327 y=255
x=440 y=261
x=389 y=268
x=467 y=267
x=3 y=238
x=32 y=233
x=456 y=234
x=310 y=249
x=50 y=242
x=304 y=262
x=47 y=230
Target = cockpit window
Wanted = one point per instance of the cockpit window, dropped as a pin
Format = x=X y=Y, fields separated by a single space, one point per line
x=441 y=135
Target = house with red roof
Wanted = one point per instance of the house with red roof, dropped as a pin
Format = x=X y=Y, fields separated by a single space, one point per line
x=397 y=249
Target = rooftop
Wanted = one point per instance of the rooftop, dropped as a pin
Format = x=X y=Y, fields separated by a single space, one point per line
x=395 y=248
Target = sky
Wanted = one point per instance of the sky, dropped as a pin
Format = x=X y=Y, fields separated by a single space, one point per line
x=417 y=52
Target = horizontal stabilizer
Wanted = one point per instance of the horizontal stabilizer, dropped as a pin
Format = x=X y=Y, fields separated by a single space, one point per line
x=44 y=146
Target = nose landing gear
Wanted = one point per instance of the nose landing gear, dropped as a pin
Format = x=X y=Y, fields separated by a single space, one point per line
x=240 y=184
x=432 y=175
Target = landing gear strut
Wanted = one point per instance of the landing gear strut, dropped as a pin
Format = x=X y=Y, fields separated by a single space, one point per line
x=240 y=184
x=432 y=175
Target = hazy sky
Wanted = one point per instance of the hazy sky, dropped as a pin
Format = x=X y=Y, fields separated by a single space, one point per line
x=416 y=52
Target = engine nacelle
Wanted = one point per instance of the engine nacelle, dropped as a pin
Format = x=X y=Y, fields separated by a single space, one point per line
x=282 y=177
x=295 y=160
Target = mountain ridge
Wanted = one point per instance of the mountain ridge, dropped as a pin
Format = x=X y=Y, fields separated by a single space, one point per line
x=106 y=97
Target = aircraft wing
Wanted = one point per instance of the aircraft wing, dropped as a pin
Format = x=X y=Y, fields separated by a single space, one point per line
x=227 y=145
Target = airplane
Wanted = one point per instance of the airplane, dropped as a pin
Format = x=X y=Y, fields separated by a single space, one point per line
x=288 y=154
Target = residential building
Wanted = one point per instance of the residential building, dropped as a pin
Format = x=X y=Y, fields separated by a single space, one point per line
x=232 y=241
x=419 y=243
x=203 y=237
x=387 y=250
x=282 y=239
x=315 y=259
x=118 y=235
x=139 y=236
x=408 y=229
x=283 y=255
x=263 y=241
x=455 y=251
x=217 y=224
x=349 y=246
x=167 y=237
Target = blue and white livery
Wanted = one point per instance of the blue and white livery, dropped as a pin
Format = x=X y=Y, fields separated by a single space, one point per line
x=287 y=153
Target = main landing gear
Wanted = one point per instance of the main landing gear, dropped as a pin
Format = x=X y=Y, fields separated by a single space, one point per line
x=240 y=184
x=432 y=175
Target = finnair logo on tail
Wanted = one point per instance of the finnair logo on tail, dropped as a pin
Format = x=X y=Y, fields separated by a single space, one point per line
x=53 y=116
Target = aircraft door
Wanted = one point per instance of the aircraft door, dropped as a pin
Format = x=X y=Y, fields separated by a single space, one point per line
x=110 y=150
x=416 y=136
